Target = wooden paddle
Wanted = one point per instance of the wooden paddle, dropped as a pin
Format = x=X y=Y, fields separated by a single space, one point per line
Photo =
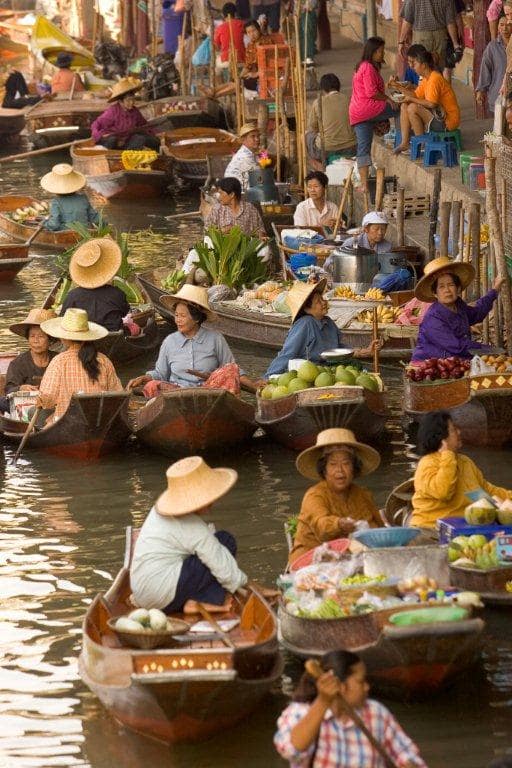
x=32 y=237
x=35 y=152
x=29 y=430
x=182 y=215
x=348 y=182
x=314 y=669
x=375 y=337
x=205 y=613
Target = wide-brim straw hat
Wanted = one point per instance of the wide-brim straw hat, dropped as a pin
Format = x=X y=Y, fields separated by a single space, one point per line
x=336 y=439
x=63 y=180
x=299 y=293
x=190 y=294
x=74 y=326
x=124 y=86
x=433 y=269
x=247 y=128
x=193 y=485
x=95 y=262
x=34 y=317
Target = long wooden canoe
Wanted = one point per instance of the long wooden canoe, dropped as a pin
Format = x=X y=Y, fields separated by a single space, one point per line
x=295 y=420
x=57 y=241
x=189 y=148
x=195 y=420
x=93 y=426
x=13 y=257
x=106 y=175
x=402 y=662
x=12 y=122
x=490 y=583
x=186 y=112
x=191 y=690
x=61 y=120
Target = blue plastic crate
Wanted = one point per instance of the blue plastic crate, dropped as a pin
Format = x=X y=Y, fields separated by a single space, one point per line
x=386 y=537
x=450 y=527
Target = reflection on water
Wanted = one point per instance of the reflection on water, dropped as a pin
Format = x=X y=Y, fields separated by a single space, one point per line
x=62 y=539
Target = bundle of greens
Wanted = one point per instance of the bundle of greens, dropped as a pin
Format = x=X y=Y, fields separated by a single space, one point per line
x=233 y=260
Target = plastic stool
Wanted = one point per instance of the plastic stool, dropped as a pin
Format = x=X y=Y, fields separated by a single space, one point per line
x=446 y=149
x=416 y=143
x=454 y=135
x=398 y=138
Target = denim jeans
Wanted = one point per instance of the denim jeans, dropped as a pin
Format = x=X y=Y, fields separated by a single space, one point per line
x=364 y=135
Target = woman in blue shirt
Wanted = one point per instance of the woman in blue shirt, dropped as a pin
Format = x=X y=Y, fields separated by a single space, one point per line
x=69 y=206
x=312 y=331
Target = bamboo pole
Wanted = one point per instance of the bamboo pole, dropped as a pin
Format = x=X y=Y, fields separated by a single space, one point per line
x=462 y=224
x=484 y=280
x=475 y=217
x=348 y=184
x=34 y=152
x=434 y=211
x=456 y=209
x=379 y=188
x=444 y=228
x=212 y=55
x=183 y=81
x=277 y=129
x=321 y=129
x=154 y=36
x=298 y=105
x=504 y=221
x=262 y=120
x=239 y=97
x=400 y=216
x=375 y=338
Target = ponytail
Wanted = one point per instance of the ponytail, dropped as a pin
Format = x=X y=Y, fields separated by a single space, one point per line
x=88 y=356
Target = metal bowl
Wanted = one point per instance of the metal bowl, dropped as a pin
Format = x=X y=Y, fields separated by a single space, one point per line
x=148 y=638
x=336 y=354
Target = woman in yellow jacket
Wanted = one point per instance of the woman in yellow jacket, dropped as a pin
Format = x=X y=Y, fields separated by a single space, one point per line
x=444 y=476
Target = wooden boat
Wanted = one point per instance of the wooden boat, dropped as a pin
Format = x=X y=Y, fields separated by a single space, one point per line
x=186 y=112
x=93 y=426
x=117 y=346
x=13 y=257
x=195 y=420
x=189 y=148
x=6 y=359
x=295 y=420
x=490 y=584
x=191 y=690
x=107 y=177
x=47 y=41
x=12 y=122
x=63 y=119
x=402 y=662
x=57 y=241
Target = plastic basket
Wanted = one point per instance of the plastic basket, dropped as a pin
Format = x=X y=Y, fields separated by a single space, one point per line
x=386 y=537
x=450 y=527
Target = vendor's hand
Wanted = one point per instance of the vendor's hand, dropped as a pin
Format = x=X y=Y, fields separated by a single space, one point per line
x=39 y=402
x=498 y=283
x=28 y=388
x=138 y=381
x=479 y=96
x=260 y=383
x=368 y=351
x=331 y=223
x=347 y=525
x=328 y=687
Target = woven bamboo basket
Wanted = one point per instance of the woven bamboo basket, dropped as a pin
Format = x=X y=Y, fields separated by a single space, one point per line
x=424 y=396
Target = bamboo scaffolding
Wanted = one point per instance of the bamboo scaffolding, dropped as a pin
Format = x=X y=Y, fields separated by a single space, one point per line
x=475 y=217
x=444 y=228
x=239 y=96
x=456 y=209
x=183 y=80
x=400 y=216
x=321 y=129
x=212 y=55
x=277 y=129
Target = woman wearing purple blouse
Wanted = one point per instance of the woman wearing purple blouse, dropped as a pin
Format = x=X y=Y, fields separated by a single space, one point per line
x=123 y=126
x=446 y=327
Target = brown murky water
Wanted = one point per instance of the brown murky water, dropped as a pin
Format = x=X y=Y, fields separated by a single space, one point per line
x=61 y=541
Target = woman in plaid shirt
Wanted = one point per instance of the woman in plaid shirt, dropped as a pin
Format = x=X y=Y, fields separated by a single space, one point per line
x=314 y=732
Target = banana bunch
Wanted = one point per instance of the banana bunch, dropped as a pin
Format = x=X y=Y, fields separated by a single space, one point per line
x=375 y=294
x=345 y=292
x=385 y=315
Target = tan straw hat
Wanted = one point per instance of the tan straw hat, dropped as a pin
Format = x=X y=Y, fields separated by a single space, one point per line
x=63 y=180
x=124 y=86
x=247 y=128
x=299 y=293
x=336 y=439
x=34 y=317
x=95 y=262
x=193 y=485
x=74 y=326
x=432 y=271
x=190 y=294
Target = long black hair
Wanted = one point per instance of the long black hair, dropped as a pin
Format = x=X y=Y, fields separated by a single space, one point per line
x=372 y=44
x=88 y=356
x=423 y=57
x=342 y=664
x=433 y=429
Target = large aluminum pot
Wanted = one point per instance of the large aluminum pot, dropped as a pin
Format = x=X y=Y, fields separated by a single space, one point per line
x=354 y=265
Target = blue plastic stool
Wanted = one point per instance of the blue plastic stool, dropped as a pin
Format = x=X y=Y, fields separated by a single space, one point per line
x=454 y=135
x=417 y=143
x=398 y=138
x=447 y=150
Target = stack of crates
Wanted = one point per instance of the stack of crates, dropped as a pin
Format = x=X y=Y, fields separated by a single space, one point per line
x=465 y=160
x=267 y=70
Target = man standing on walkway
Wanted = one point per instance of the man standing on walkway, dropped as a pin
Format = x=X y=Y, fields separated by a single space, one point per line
x=431 y=22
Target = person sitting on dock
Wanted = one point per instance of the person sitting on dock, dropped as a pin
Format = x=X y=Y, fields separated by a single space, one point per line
x=244 y=160
x=16 y=93
x=316 y=210
x=25 y=372
x=338 y=135
x=332 y=507
x=312 y=331
x=68 y=207
x=192 y=350
x=123 y=126
x=443 y=475
x=65 y=80
x=80 y=368
x=92 y=267
x=373 y=236
x=445 y=330
x=315 y=728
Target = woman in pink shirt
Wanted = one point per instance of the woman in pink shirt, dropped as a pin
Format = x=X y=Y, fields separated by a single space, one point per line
x=369 y=103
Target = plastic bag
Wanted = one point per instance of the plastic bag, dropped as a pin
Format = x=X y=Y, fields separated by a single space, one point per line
x=202 y=55
x=478 y=367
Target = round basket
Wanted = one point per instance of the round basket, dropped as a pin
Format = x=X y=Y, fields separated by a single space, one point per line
x=421 y=397
x=386 y=537
x=147 y=638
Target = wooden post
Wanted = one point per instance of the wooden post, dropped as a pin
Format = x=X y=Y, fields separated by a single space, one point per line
x=277 y=128
x=456 y=209
x=348 y=185
x=321 y=129
x=212 y=55
x=400 y=216
x=379 y=188
x=504 y=222
x=444 y=228
x=434 y=211
x=481 y=36
x=183 y=79
x=462 y=224
x=484 y=282
x=371 y=19
x=263 y=122
x=375 y=336
x=475 y=249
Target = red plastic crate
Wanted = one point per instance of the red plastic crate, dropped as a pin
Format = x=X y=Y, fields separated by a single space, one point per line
x=476 y=177
x=266 y=69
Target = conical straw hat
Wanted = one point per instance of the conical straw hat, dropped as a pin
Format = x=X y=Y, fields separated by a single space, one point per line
x=95 y=262
x=336 y=439
x=193 y=485
x=432 y=271
x=63 y=180
x=74 y=326
x=124 y=86
x=299 y=293
x=190 y=294
x=34 y=317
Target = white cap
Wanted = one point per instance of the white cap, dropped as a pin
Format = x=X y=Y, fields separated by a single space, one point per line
x=375 y=217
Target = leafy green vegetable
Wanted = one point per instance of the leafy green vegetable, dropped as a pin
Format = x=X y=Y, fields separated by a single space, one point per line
x=233 y=260
x=291 y=525
x=174 y=280
x=328 y=609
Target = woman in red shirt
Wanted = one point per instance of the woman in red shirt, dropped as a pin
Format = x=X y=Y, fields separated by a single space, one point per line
x=230 y=30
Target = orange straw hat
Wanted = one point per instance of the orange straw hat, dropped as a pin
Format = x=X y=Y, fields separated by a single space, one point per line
x=63 y=180
x=193 y=485
x=95 y=262
x=124 y=86
x=34 y=317
x=433 y=269
x=330 y=440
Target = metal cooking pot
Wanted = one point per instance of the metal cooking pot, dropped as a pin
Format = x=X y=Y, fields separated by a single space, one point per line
x=354 y=265
x=262 y=186
x=390 y=262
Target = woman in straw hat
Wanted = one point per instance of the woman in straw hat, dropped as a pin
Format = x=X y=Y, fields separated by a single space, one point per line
x=245 y=159
x=80 y=368
x=68 y=207
x=445 y=330
x=192 y=348
x=92 y=267
x=123 y=126
x=312 y=331
x=178 y=561
x=26 y=371
x=333 y=506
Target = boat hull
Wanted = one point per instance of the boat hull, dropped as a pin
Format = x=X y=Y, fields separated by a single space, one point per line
x=57 y=241
x=12 y=122
x=490 y=584
x=196 y=420
x=189 y=148
x=59 y=121
x=12 y=259
x=186 y=112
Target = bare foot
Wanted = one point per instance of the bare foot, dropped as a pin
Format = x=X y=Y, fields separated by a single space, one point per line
x=192 y=606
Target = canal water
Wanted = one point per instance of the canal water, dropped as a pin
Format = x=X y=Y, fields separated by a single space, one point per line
x=62 y=528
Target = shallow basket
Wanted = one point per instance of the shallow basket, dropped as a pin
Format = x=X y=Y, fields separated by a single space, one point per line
x=423 y=396
x=148 y=639
x=386 y=537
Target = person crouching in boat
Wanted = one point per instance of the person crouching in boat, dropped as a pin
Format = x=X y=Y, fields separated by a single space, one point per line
x=92 y=267
x=80 y=368
x=331 y=508
x=68 y=207
x=443 y=475
x=312 y=331
x=316 y=730
x=192 y=348
x=65 y=80
x=445 y=330
x=178 y=561
x=123 y=126
x=27 y=369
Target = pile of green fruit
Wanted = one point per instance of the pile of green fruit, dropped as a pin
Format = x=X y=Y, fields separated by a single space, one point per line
x=328 y=609
x=473 y=552
x=310 y=375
